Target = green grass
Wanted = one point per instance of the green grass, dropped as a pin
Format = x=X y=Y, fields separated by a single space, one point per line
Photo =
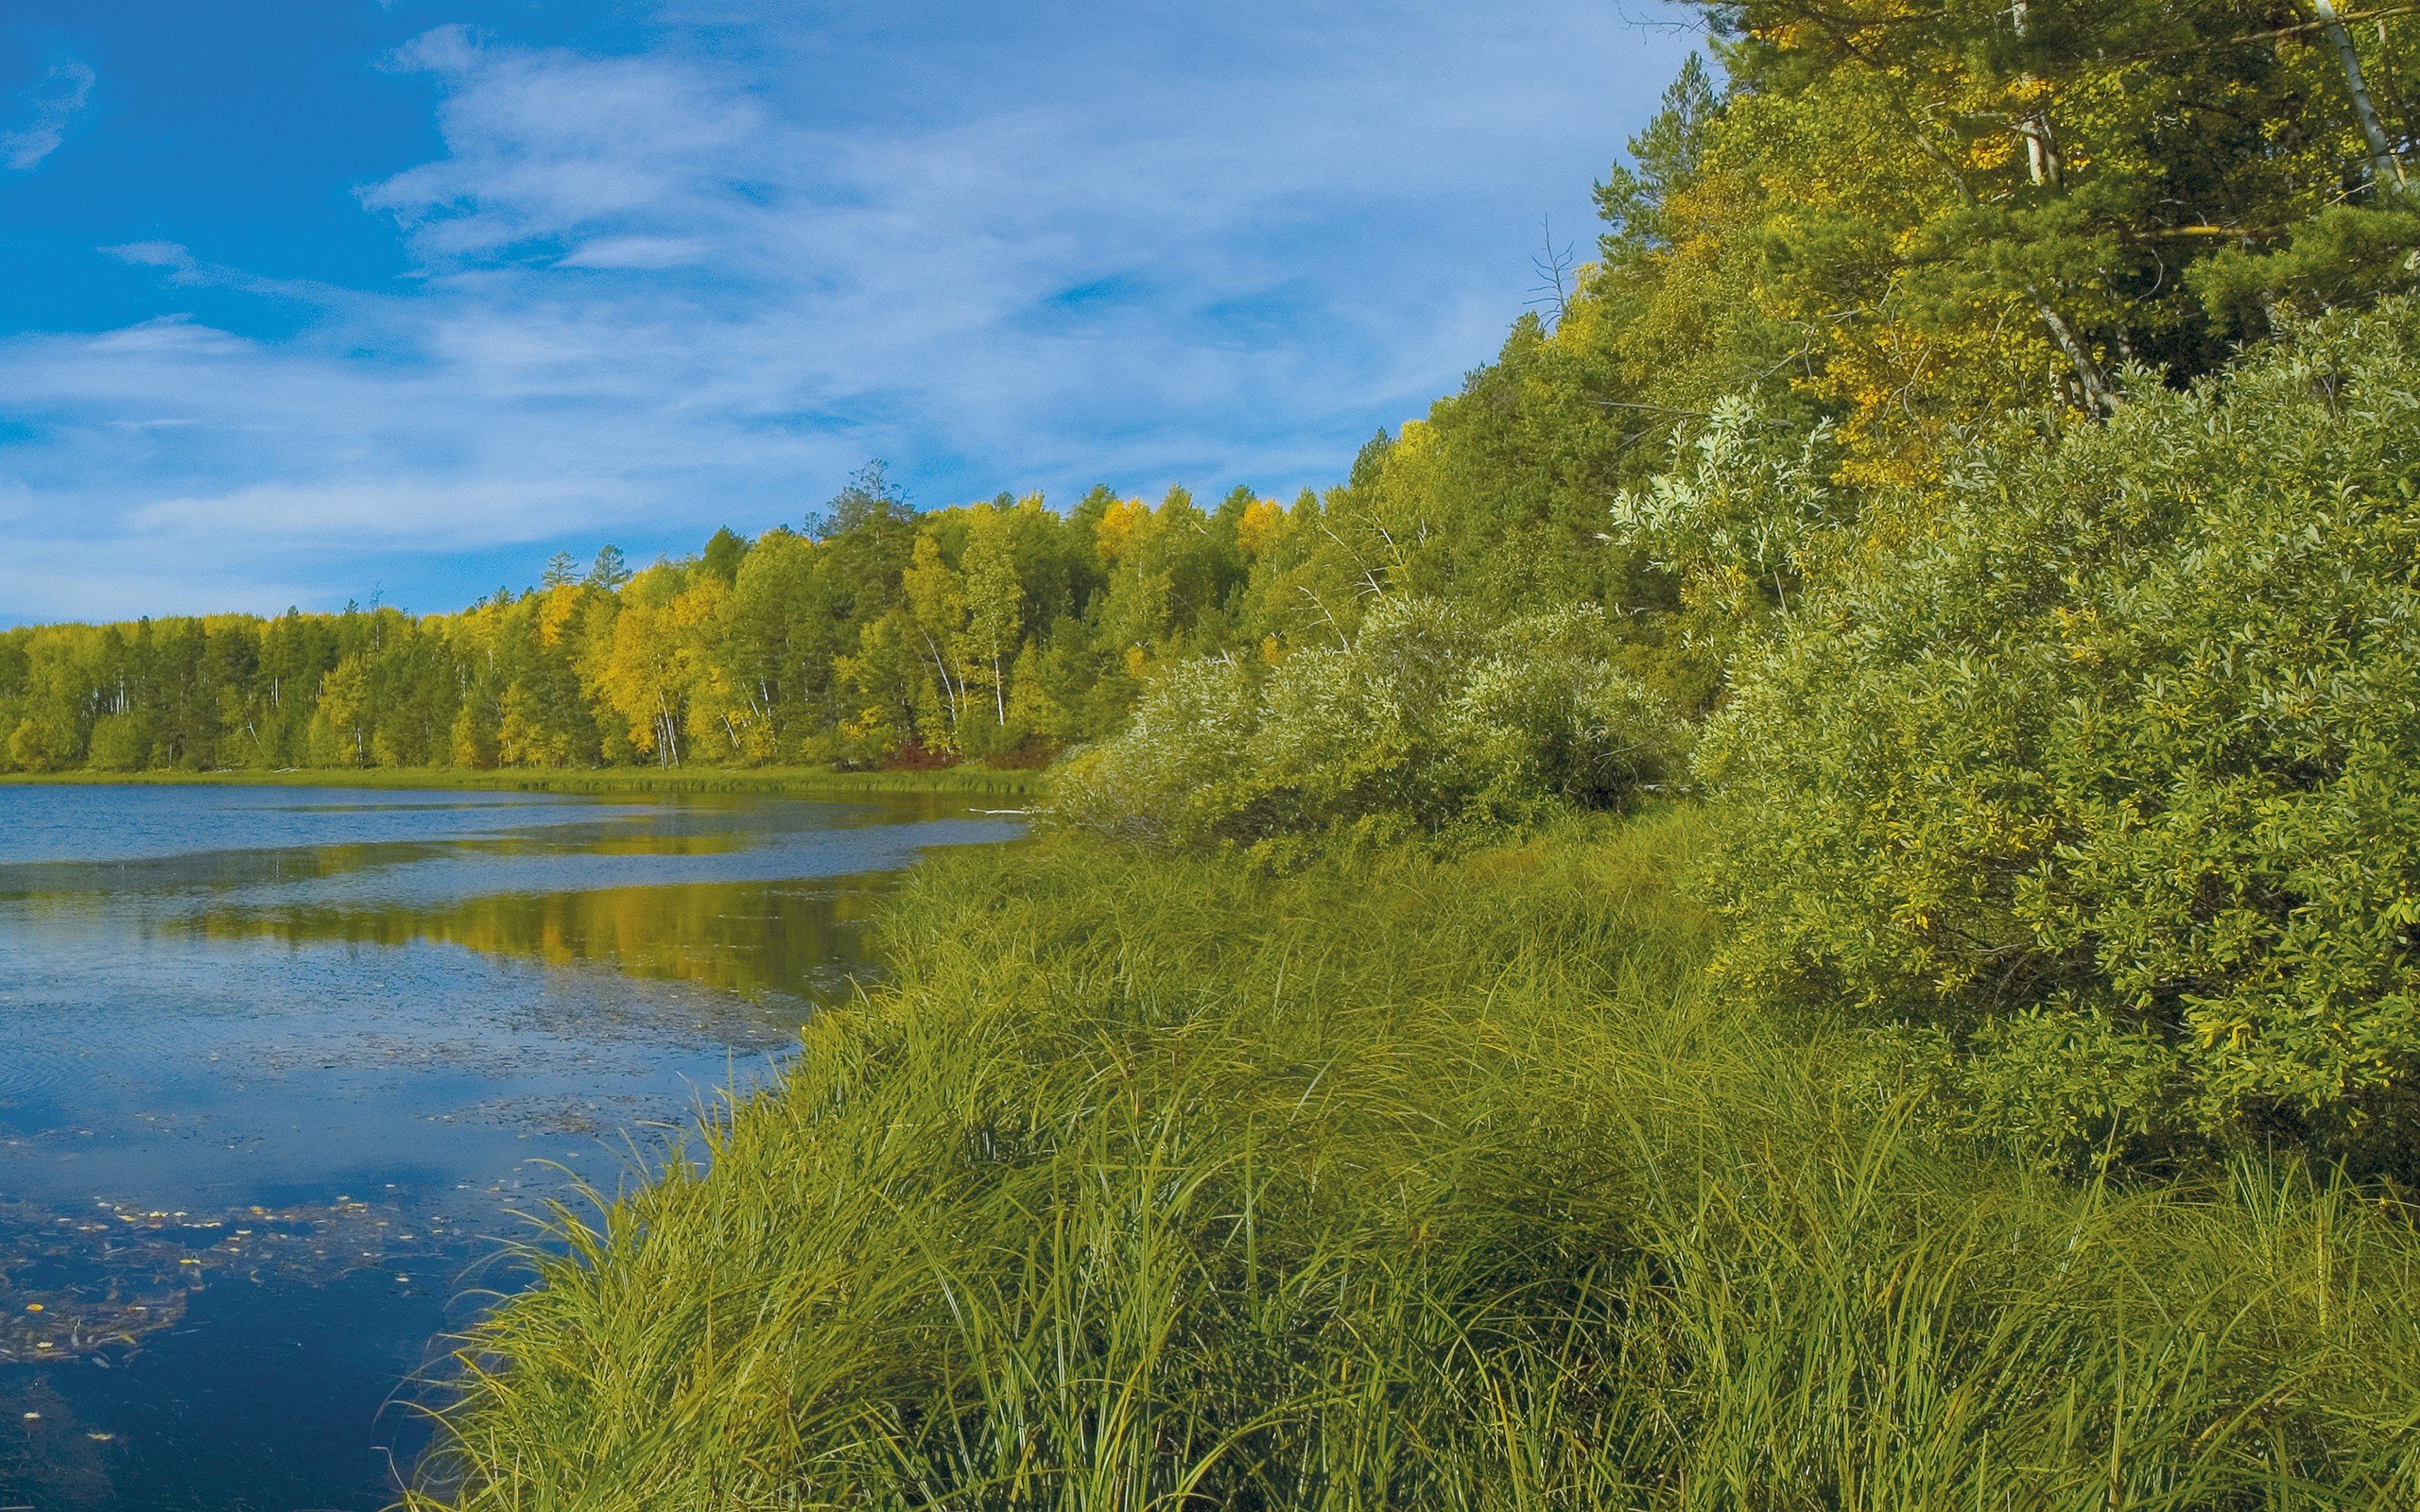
x=793 y=780
x=1155 y=1183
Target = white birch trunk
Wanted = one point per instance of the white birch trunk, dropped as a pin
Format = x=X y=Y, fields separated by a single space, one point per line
x=2386 y=169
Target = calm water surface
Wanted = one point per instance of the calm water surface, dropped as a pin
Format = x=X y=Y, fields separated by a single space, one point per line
x=279 y=1067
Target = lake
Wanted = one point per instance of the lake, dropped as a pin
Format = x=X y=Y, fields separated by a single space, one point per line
x=283 y=1069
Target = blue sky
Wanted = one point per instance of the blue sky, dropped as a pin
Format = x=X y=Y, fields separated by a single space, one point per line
x=303 y=300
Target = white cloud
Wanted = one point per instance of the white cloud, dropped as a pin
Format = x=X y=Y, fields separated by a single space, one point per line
x=542 y=144
x=636 y=253
x=1011 y=248
x=60 y=97
x=152 y=254
x=412 y=515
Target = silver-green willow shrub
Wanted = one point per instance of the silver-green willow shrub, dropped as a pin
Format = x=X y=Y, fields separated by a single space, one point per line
x=1429 y=722
x=2111 y=781
x=1743 y=522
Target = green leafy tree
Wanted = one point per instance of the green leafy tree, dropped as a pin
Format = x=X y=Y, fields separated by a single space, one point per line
x=2109 y=776
x=995 y=595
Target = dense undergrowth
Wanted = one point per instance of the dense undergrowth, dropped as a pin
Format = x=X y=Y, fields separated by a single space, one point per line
x=2110 y=778
x=1154 y=1182
x=1430 y=721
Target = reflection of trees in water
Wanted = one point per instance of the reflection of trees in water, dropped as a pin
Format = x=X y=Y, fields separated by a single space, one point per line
x=74 y=885
x=208 y=871
x=750 y=938
x=421 y=1080
x=91 y=1285
x=690 y=828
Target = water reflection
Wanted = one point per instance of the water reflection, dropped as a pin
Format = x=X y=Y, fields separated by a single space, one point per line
x=754 y=940
x=280 y=1067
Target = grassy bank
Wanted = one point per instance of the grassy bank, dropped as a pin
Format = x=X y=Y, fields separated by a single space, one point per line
x=804 y=782
x=1154 y=1182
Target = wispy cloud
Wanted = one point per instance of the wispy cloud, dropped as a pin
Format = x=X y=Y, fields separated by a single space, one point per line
x=661 y=290
x=171 y=256
x=65 y=88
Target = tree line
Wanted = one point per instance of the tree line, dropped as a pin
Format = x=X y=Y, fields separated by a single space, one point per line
x=873 y=633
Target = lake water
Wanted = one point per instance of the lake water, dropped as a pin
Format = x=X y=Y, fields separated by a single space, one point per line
x=280 y=1068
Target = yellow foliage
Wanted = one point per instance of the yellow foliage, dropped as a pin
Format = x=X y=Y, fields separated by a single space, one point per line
x=1262 y=521
x=556 y=612
x=523 y=738
x=469 y=748
x=1990 y=153
x=1119 y=526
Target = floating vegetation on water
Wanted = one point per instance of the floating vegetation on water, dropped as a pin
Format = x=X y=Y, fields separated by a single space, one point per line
x=91 y=1286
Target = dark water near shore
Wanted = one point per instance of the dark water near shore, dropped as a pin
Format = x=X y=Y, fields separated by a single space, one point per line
x=279 y=1067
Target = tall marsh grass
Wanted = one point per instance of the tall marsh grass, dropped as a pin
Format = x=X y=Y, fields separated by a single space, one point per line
x=1153 y=1183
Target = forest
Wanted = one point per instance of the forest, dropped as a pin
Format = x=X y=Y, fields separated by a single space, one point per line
x=1801 y=897
x=871 y=635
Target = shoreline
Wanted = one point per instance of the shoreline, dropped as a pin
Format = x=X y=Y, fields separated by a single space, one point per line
x=770 y=781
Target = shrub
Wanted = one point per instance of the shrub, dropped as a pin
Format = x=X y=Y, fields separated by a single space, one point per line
x=2113 y=774
x=1744 y=521
x=38 y=746
x=1427 y=723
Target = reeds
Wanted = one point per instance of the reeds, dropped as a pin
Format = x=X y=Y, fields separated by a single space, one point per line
x=1152 y=1183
